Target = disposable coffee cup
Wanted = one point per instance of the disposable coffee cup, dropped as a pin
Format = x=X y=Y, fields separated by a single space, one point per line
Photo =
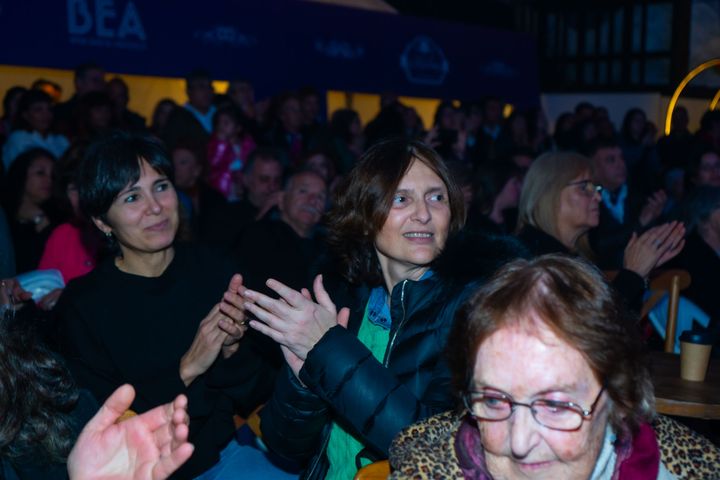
x=695 y=350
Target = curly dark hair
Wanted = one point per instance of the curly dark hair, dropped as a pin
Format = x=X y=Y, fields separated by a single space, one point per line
x=363 y=202
x=571 y=297
x=37 y=395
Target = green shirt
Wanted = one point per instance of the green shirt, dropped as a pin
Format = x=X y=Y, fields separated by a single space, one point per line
x=343 y=447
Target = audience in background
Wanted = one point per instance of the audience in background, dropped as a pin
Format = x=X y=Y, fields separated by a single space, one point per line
x=89 y=77
x=287 y=249
x=324 y=165
x=94 y=116
x=230 y=198
x=199 y=199
x=559 y=205
x=11 y=101
x=701 y=213
x=347 y=138
x=286 y=131
x=496 y=192
x=73 y=247
x=193 y=121
x=703 y=168
x=29 y=205
x=623 y=210
x=125 y=118
x=160 y=115
x=32 y=128
x=228 y=149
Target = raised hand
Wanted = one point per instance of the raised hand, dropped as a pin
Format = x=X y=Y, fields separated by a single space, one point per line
x=654 y=247
x=234 y=323
x=653 y=208
x=150 y=446
x=205 y=347
x=294 y=320
x=273 y=200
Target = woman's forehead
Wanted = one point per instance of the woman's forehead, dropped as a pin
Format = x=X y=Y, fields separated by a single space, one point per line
x=420 y=174
x=527 y=358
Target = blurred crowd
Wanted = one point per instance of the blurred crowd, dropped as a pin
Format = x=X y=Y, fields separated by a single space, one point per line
x=255 y=180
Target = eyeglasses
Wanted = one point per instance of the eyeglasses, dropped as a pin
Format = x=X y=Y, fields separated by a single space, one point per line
x=587 y=187
x=492 y=406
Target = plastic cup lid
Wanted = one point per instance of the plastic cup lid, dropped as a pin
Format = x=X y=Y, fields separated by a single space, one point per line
x=703 y=338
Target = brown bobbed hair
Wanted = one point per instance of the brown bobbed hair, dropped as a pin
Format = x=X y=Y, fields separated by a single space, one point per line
x=570 y=297
x=363 y=201
x=545 y=180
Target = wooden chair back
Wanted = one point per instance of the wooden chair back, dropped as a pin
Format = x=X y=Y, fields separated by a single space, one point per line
x=379 y=470
x=661 y=281
x=672 y=282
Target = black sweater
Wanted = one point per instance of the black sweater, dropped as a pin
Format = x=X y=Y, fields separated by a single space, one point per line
x=120 y=328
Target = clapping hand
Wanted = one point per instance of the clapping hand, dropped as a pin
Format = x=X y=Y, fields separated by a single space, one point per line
x=654 y=247
x=294 y=320
x=220 y=330
x=234 y=322
x=150 y=446
x=653 y=208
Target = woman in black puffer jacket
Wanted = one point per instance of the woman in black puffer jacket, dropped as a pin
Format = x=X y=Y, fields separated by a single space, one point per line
x=359 y=375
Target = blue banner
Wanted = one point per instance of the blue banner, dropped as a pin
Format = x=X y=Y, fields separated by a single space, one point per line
x=276 y=44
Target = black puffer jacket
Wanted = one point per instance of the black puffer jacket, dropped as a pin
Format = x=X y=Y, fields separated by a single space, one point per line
x=376 y=400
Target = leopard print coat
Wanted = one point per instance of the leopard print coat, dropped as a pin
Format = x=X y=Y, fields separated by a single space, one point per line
x=426 y=450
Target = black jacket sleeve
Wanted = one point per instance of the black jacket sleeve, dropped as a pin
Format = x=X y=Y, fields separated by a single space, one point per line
x=365 y=395
x=294 y=420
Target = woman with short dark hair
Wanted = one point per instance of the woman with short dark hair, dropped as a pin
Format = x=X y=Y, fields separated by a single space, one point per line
x=138 y=316
x=359 y=374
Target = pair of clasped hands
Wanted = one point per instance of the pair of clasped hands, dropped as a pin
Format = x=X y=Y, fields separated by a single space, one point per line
x=295 y=321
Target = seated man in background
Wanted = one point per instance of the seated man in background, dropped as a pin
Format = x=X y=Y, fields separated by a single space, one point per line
x=261 y=180
x=622 y=210
x=287 y=248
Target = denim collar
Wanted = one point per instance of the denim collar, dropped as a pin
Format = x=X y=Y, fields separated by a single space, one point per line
x=378 y=310
x=616 y=208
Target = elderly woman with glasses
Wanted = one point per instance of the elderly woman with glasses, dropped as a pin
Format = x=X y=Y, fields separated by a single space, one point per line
x=553 y=385
x=559 y=204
